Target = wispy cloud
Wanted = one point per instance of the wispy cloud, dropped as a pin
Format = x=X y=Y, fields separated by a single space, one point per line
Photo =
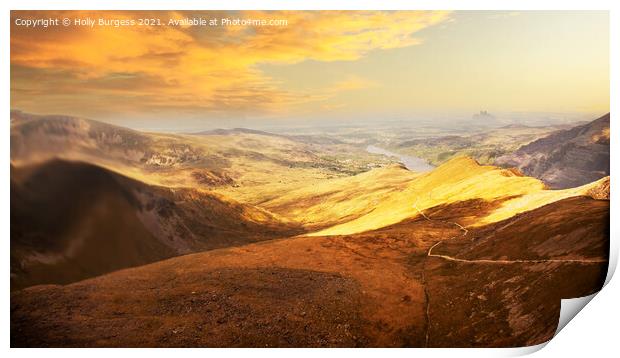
x=143 y=69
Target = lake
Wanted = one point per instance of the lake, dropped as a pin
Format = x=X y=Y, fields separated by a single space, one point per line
x=412 y=163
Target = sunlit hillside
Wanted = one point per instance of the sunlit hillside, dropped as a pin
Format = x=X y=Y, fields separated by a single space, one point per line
x=459 y=179
x=329 y=202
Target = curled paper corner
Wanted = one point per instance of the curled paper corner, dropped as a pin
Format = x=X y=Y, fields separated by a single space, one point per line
x=568 y=310
x=571 y=307
x=523 y=351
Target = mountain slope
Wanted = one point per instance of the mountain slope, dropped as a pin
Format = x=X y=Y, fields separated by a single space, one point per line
x=566 y=158
x=377 y=288
x=330 y=202
x=72 y=220
x=459 y=179
x=506 y=280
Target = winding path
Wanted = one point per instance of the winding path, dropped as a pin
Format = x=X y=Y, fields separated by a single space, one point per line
x=464 y=230
x=429 y=253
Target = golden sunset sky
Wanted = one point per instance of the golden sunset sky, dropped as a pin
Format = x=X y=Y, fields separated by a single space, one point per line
x=322 y=65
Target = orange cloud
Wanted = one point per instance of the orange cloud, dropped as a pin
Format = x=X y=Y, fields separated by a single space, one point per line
x=185 y=69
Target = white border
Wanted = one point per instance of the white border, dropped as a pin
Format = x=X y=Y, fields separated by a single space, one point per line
x=594 y=330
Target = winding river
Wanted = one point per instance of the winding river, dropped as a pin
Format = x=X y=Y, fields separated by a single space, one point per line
x=414 y=164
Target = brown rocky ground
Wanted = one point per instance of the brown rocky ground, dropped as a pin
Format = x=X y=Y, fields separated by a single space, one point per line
x=377 y=288
x=512 y=275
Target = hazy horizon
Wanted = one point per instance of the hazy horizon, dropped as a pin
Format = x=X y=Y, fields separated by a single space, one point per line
x=462 y=123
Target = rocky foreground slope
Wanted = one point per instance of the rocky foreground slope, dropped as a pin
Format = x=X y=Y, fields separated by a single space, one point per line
x=425 y=281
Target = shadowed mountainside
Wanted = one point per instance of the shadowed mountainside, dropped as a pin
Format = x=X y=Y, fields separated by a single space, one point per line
x=566 y=158
x=71 y=221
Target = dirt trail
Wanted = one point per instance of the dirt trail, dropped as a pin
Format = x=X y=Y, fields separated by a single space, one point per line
x=464 y=231
x=429 y=253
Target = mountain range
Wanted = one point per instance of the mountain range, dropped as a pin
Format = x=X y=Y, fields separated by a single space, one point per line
x=286 y=241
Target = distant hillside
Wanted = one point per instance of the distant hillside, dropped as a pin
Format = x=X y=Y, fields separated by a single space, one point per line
x=71 y=221
x=307 y=139
x=37 y=138
x=566 y=158
x=222 y=131
x=223 y=159
x=483 y=146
